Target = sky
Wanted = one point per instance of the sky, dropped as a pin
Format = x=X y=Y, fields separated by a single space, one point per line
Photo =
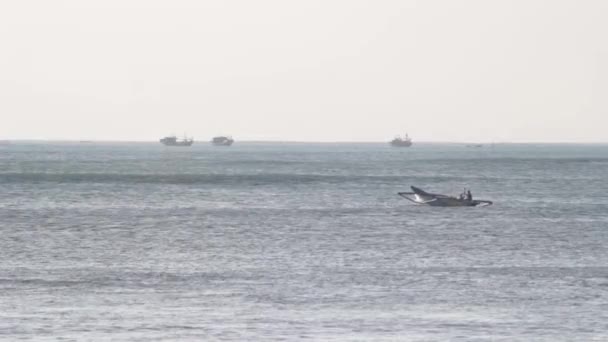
x=314 y=70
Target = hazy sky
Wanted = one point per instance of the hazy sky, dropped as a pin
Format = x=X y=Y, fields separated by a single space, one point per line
x=320 y=70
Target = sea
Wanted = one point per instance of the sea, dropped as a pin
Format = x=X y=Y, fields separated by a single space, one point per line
x=302 y=241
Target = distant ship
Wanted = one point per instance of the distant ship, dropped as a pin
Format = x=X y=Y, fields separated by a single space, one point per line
x=402 y=142
x=173 y=141
x=222 y=141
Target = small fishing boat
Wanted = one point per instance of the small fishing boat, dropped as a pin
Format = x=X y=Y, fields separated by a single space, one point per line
x=222 y=141
x=402 y=142
x=173 y=141
x=420 y=196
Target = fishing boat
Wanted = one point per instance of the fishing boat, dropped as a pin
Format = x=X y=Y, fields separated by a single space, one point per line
x=402 y=142
x=222 y=141
x=420 y=196
x=173 y=141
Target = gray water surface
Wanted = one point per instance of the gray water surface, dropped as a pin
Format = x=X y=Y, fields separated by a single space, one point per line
x=275 y=242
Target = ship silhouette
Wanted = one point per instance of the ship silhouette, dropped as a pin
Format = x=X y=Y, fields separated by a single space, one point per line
x=402 y=142
x=172 y=140
x=222 y=141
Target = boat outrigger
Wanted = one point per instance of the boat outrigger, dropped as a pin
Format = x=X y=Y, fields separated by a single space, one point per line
x=420 y=196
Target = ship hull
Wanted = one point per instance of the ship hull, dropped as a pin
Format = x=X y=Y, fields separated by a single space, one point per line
x=227 y=143
x=401 y=143
x=178 y=144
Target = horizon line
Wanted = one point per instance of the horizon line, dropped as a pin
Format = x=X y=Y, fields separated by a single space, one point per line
x=314 y=141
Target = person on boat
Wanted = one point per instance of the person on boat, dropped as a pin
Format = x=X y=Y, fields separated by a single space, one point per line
x=463 y=195
x=469 y=195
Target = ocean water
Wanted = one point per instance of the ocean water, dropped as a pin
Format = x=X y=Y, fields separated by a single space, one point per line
x=282 y=242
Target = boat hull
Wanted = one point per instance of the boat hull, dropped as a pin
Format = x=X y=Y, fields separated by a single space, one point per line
x=401 y=143
x=178 y=144
x=227 y=143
